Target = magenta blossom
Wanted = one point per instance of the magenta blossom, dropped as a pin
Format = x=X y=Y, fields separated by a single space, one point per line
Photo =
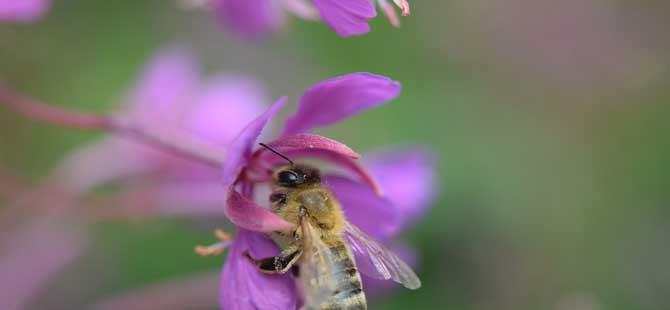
x=169 y=96
x=346 y=17
x=32 y=256
x=325 y=103
x=23 y=11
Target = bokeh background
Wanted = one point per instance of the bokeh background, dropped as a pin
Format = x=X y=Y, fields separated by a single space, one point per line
x=550 y=120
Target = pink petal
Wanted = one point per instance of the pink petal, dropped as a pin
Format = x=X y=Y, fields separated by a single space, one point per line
x=240 y=150
x=244 y=287
x=23 y=11
x=247 y=214
x=33 y=257
x=408 y=178
x=333 y=100
x=191 y=199
x=310 y=141
x=165 y=88
x=347 y=17
x=249 y=18
x=158 y=98
x=193 y=291
x=224 y=106
x=362 y=207
x=108 y=160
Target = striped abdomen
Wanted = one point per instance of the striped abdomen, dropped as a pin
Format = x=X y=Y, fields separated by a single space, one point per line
x=348 y=292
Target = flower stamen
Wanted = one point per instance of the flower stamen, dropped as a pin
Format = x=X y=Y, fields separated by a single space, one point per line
x=216 y=248
x=390 y=13
x=404 y=6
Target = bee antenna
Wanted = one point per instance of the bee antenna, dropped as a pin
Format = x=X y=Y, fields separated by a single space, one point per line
x=276 y=152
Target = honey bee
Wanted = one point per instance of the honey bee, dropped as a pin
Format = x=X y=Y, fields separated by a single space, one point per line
x=323 y=243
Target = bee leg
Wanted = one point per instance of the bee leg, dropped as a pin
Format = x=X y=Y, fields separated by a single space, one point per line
x=216 y=248
x=276 y=264
x=295 y=270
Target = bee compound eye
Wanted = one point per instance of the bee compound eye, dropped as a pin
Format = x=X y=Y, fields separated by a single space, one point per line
x=288 y=178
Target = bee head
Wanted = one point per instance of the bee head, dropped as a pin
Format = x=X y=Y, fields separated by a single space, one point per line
x=296 y=175
x=293 y=175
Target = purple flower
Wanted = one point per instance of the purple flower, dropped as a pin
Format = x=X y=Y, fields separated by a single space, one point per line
x=170 y=96
x=325 y=103
x=32 y=256
x=408 y=179
x=347 y=18
x=243 y=287
x=23 y=11
x=250 y=18
x=198 y=290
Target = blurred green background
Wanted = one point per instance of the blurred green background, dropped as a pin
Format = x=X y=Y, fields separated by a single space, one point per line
x=550 y=120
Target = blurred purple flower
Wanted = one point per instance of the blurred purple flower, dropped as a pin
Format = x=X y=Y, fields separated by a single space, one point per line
x=408 y=179
x=253 y=18
x=31 y=257
x=170 y=96
x=23 y=11
x=249 y=18
x=192 y=291
x=325 y=103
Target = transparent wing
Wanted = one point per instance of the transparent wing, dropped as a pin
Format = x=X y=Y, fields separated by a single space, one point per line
x=316 y=268
x=376 y=261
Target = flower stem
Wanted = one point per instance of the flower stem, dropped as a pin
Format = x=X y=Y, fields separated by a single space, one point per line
x=42 y=112
x=176 y=142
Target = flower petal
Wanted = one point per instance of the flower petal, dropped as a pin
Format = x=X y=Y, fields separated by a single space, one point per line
x=250 y=18
x=164 y=89
x=311 y=141
x=157 y=99
x=335 y=99
x=362 y=207
x=246 y=214
x=191 y=291
x=104 y=161
x=244 y=287
x=189 y=198
x=408 y=179
x=239 y=151
x=32 y=257
x=23 y=11
x=224 y=106
x=347 y=17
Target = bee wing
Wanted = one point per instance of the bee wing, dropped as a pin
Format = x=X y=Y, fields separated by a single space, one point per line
x=316 y=267
x=383 y=263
